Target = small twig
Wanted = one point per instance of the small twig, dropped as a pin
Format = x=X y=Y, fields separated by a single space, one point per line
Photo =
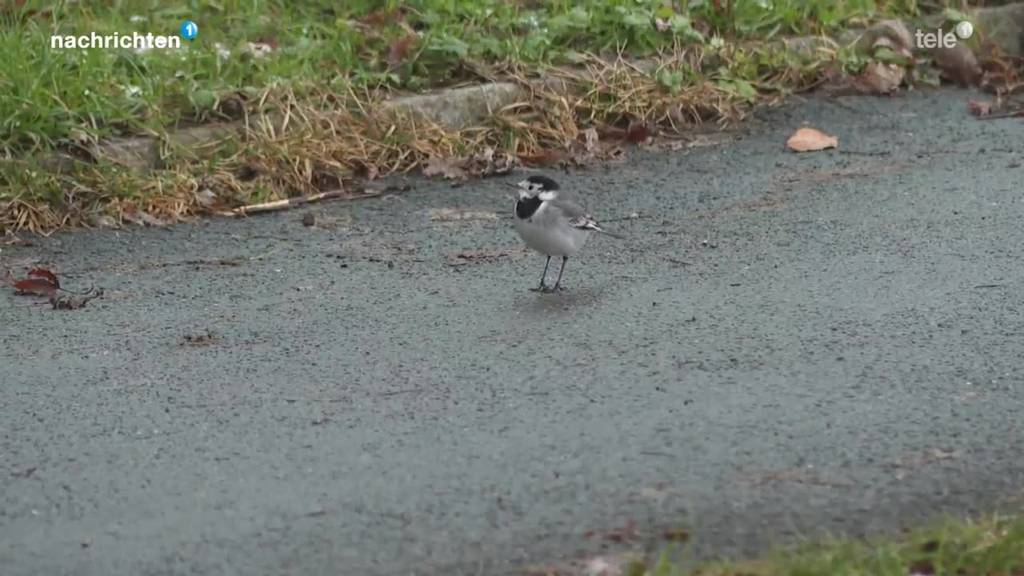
x=289 y=203
x=397 y=392
x=862 y=153
x=989 y=286
x=627 y=218
x=680 y=262
x=1010 y=114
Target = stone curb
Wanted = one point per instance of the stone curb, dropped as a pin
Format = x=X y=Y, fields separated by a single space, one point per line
x=458 y=108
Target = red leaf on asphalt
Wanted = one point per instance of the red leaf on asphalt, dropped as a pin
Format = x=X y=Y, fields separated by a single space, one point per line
x=45 y=274
x=36 y=286
x=40 y=281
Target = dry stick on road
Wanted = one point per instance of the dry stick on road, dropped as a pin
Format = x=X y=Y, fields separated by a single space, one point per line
x=283 y=204
x=289 y=203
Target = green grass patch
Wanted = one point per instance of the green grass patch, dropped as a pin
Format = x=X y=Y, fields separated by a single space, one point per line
x=49 y=96
x=327 y=65
x=993 y=546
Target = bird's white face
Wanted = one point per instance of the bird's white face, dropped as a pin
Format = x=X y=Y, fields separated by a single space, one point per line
x=528 y=189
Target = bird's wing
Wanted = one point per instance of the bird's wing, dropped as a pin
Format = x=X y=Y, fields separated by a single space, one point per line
x=577 y=214
x=569 y=207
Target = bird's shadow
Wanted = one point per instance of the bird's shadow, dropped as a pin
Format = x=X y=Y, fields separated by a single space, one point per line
x=564 y=301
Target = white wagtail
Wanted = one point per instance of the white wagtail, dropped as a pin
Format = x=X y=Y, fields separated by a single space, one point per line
x=551 y=221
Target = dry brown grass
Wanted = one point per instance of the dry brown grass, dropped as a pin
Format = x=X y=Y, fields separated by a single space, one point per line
x=291 y=146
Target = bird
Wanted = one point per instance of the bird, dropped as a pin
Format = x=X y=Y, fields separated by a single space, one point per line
x=553 y=222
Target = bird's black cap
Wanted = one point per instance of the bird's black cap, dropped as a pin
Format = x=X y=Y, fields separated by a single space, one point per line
x=545 y=182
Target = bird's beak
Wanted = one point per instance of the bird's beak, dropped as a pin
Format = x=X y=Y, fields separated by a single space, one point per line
x=511 y=185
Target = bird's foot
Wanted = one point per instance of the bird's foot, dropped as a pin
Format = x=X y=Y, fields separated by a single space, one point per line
x=547 y=289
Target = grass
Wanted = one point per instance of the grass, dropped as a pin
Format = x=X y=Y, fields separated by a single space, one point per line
x=48 y=95
x=327 y=62
x=992 y=546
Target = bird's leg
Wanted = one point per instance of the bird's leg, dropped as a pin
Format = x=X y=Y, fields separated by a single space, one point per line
x=558 y=283
x=542 y=287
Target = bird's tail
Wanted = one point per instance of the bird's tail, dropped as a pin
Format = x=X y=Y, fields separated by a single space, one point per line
x=593 y=227
x=612 y=234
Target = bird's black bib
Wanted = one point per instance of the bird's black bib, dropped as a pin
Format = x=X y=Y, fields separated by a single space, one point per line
x=527 y=206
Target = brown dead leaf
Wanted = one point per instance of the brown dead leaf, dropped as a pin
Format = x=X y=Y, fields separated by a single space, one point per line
x=40 y=282
x=638 y=132
x=45 y=275
x=143 y=218
x=383 y=17
x=399 y=50
x=487 y=162
x=447 y=168
x=543 y=157
x=879 y=78
x=34 y=286
x=810 y=140
x=979 y=107
x=590 y=139
x=957 y=64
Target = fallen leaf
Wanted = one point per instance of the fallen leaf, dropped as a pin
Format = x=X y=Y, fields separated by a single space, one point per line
x=35 y=286
x=46 y=275
x=143 y=218
x=979 y=107
x=543 y=157
x=958 y=64
x=590 y=139
x=486 y=162
x=879 y=78
x=383 y=17
x=637 y=132
x=447 y=168
x=399 y=50
x=40 y=282
x=810 y=140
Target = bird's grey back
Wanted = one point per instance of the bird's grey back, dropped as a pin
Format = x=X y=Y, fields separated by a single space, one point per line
x=569 y=204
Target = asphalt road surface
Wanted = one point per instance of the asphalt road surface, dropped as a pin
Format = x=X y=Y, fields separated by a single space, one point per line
x=785 y=346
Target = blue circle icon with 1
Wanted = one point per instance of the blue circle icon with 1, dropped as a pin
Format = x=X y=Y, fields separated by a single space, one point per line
x=189 y=30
